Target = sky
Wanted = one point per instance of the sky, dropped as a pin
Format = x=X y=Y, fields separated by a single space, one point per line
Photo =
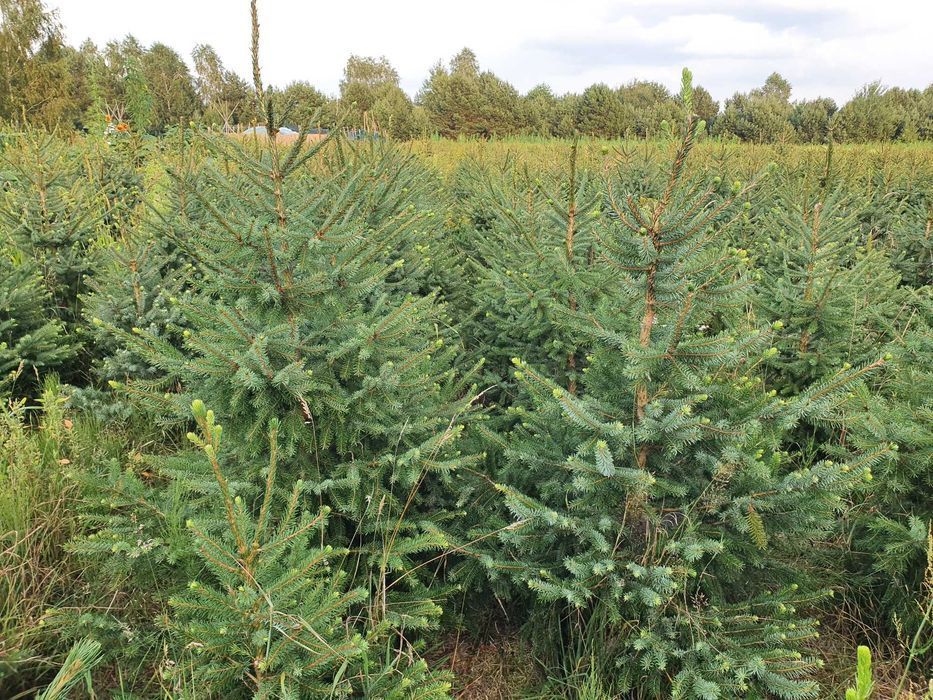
x=827 y=48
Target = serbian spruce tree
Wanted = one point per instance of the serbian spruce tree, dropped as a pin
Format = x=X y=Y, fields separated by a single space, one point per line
x=137 y=275
x=253 y=602
x=838 y=301
x=526 y=235
x=890 y=535
x=298 y=315
x=30 y=339
x=267 y=615
x=657 y=512
x=841 y=303
x=50 y=212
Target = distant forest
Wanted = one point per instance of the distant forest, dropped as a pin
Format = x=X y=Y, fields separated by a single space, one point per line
x=49 y=83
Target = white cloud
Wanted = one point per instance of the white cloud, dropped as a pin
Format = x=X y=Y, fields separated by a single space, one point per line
x=824 y=47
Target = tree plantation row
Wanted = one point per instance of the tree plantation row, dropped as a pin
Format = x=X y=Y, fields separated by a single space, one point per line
x=315 y=420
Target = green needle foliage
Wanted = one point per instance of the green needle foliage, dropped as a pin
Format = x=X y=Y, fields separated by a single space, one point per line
x=531 y=250
x=657 y=511
x=299 y=313
x=138 y=276
x=79 y=663
x=50 y=213
x=888 y=564
x=295 y=316
x=841 y=301
x=268 y=615
x=29 y=337
x=133 y=289
x=252 y=601
x=837 y=300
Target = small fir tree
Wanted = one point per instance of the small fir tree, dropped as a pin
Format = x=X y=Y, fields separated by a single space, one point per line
x=841 y=302
x=910 y=238
x=529 y=248
x=299 y=314
x=267 y=615
x=836 y=300
x=29 y=338
x=253 y=602
x=49 y=213
x=658 y=511
x=137 y=277
x=888 y=566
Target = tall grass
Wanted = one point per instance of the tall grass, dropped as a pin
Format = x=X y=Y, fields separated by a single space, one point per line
x=35 y=522
x=39 y=445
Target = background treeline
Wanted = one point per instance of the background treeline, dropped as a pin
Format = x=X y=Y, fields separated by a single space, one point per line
x=47 y=82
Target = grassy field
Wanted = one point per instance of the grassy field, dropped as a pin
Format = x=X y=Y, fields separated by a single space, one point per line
x=855 y=164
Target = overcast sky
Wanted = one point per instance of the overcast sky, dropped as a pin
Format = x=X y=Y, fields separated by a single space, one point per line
x=824 y=47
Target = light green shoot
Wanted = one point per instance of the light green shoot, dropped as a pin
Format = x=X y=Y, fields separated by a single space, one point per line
x=863 y=681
